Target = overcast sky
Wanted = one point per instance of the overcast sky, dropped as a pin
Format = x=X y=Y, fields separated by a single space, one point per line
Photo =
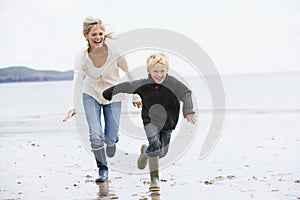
x=240 y=36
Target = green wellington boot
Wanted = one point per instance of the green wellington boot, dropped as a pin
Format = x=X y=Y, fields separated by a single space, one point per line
x=143 y=158
x=154 y=173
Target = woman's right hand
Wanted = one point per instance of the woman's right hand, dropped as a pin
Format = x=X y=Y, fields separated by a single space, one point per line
x=70 y=114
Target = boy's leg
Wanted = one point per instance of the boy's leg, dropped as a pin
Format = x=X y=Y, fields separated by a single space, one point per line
x=154 y=173
x=151 y=133
x=153 y=137
x=152 y=152
x=143 y=158
x=111 y=114
x=165 y=137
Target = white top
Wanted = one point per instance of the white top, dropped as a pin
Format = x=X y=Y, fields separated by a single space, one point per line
x=100 y=71
x=93 y=81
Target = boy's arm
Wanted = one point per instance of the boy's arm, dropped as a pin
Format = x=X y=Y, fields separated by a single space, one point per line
x=185 y=95
x=188 y=111
x=108 y=93
x=187 y=104
x=125 y=87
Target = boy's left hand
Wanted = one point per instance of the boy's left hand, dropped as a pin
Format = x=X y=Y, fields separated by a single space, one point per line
x=191 y=118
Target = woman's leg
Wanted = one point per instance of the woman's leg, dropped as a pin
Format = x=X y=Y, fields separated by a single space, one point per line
x=101 y=164
x=112 y=113
x=93 y=115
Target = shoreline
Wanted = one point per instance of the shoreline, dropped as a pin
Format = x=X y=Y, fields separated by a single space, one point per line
x=200 y=111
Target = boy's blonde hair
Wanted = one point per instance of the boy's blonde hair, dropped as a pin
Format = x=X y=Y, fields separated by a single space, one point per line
x=157 y=58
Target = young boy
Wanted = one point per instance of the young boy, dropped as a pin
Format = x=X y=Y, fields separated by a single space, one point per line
x=161 y=95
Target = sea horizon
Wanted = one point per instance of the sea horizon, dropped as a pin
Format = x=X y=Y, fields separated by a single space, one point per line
x=254 y=93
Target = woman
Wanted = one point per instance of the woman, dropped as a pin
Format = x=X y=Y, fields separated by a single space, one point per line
x=96 y=69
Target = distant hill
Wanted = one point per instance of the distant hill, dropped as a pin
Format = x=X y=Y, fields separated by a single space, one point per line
x=25 y=74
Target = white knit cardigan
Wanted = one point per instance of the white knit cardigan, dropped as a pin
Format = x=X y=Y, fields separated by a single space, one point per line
x=92 y=81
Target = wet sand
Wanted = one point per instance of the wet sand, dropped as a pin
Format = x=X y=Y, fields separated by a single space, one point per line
x=256 y=158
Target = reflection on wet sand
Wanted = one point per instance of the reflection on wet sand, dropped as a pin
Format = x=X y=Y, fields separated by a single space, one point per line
x=155 y=196
x=104 y=191
x=107 y=193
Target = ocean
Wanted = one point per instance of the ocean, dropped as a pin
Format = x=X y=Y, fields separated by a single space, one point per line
x=259 y=93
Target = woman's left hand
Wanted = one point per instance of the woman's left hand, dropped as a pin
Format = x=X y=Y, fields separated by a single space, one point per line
x=137 y=104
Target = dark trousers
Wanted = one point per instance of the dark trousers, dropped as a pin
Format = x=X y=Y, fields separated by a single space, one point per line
x=159 y=140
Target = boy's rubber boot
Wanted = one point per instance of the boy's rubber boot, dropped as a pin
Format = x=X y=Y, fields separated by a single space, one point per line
x=154 y=173
x=101 y=164
x=143 y=158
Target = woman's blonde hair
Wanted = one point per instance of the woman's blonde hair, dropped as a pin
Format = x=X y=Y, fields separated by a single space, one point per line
x=90 y=22
x=157 y=58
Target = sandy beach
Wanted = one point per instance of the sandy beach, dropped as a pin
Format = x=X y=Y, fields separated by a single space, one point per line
x=255 y=158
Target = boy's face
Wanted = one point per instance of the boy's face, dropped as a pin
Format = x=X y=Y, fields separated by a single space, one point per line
x=158 y=73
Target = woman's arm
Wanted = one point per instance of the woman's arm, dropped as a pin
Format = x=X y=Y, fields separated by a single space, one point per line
x=76 y=88
x=122 y=63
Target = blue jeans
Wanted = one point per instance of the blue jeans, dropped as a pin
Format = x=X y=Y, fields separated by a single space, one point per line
x=159 y=140
x=111 y=114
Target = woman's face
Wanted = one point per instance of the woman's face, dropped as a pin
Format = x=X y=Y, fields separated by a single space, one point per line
x=95 y=37
x=158 y=73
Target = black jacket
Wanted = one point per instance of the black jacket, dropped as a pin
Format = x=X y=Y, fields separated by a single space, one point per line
x=161 y=102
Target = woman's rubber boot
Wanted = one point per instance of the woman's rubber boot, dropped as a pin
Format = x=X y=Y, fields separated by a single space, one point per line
x=154 y=173
x=111 y=150
x=143 y=158
x=101 y=164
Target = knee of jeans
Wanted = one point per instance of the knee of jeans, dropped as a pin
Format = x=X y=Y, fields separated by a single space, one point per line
x=163 y=153
x=111 y=132
x=96 y=141
x=96 y=137
x=111 y=141
x=97 y=145
x=153 y=148
x=155 y=143
x=152 y=153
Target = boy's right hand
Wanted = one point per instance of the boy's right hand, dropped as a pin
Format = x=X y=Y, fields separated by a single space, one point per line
x=70 y=114
x=138 y=104
x=191 y=118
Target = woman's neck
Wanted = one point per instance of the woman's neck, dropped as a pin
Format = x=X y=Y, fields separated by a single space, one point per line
x=99 y=55
x=99 y=49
